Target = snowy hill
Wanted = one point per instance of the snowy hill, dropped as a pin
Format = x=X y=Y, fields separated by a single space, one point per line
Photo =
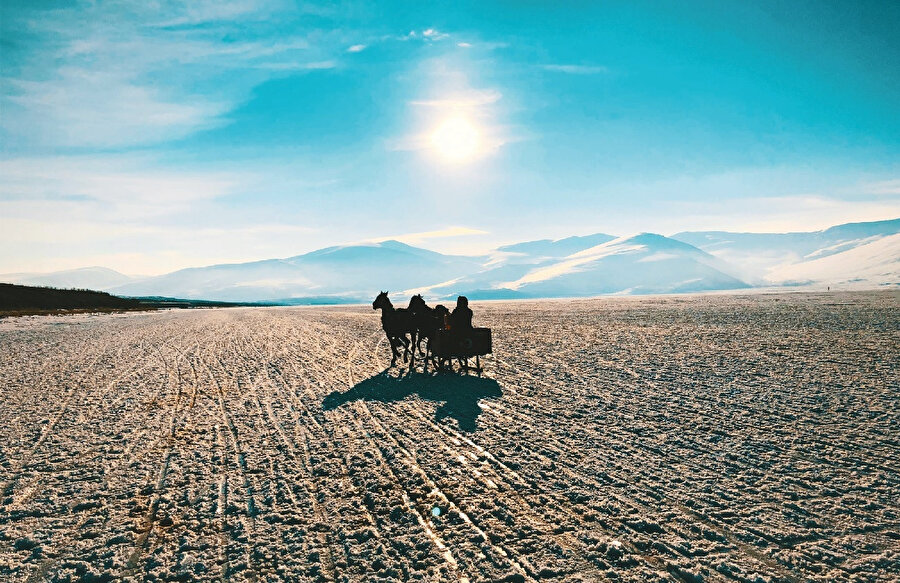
x=644 y=263
x=755 y=254
x=855 y=254
x=870 y=265
x=348 y=271
x=508 y=263
x=95 y=278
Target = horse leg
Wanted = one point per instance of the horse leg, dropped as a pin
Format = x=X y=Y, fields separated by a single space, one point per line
x=394 y=353
x=412 y=352
x=405 y=341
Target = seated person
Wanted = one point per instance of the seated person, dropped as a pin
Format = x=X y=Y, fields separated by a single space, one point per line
x=461 y=318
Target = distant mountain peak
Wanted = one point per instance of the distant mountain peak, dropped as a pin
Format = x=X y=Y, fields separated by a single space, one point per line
x=645 y=262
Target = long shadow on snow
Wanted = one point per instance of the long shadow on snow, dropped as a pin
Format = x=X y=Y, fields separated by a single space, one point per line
x=458 y=393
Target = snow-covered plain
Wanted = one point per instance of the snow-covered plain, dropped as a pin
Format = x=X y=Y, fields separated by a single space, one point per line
x=685 y=438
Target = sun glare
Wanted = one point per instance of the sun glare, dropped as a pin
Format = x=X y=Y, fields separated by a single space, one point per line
x=456 y=140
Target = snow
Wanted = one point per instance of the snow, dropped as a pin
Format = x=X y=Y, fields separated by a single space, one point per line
x=575 y=266
x=871 y=264
x=669 y=438
x=643 y=263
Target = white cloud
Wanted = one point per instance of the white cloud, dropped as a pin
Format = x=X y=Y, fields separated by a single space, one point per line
x=86 y=109
x=434 y=34
x=110 y=76
x=472 y=98
x=576 y=69
x=414 y=238
x=751 y=214
x=883 y=188
x=428 y=34
x=804 y=212
x=135 y=214
x=356 y=48
x=128 y=187
x=206 y=11
x=315 y=66
x=137 y=247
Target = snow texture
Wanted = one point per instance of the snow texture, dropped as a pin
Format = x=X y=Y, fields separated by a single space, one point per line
x=687 y=438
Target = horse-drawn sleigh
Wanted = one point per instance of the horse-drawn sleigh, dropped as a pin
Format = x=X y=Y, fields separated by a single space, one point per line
x=461 y=345
x=447 y=336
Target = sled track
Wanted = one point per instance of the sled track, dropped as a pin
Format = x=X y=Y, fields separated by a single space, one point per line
x=683 y=439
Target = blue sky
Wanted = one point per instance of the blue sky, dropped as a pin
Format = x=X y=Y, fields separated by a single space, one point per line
x=150 y=139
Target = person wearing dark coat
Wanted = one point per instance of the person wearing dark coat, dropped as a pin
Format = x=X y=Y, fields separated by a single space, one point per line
x=461 y=317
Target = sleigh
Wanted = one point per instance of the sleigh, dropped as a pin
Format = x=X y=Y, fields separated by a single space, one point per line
x=462 y=345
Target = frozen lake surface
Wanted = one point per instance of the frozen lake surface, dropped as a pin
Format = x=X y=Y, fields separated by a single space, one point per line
x=694 y=438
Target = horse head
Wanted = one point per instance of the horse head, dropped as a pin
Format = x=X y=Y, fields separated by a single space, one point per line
x=417 y=303
x=382 y=301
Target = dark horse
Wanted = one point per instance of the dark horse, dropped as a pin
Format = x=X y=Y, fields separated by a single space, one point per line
x=427 y=322
x=397 y=323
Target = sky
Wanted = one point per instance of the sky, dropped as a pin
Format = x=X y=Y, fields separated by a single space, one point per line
x=152 y=136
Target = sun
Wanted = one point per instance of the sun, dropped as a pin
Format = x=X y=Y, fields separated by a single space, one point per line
x=456 y=140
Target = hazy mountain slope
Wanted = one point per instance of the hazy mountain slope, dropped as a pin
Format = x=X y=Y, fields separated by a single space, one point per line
x=258 y=280
x=557 y=248
x=96 y=278
x=754 y=254
x=508 y=263
x=644 y=263
x=346 y=271
x=870 y=265
x=861 y=253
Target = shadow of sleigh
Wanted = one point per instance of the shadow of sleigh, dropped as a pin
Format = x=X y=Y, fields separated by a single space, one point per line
x=459 y=394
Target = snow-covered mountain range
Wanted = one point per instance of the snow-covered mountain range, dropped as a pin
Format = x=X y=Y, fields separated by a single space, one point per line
x=859 y=255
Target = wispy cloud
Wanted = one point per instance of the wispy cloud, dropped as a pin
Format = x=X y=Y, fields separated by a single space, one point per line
x=113 y=76
x=57 y=243
x=780 y=214
x=128 y=187
x=427 y=34
x=434 y=34
x=473 y=98
x=884 y=188
x=80 y=108
x=206 y=11
x=413 y=238
x=356 y=48
x=576 y=69
x=314 y=66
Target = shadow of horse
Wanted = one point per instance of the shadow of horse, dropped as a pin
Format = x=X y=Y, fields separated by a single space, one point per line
x=459 y=394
